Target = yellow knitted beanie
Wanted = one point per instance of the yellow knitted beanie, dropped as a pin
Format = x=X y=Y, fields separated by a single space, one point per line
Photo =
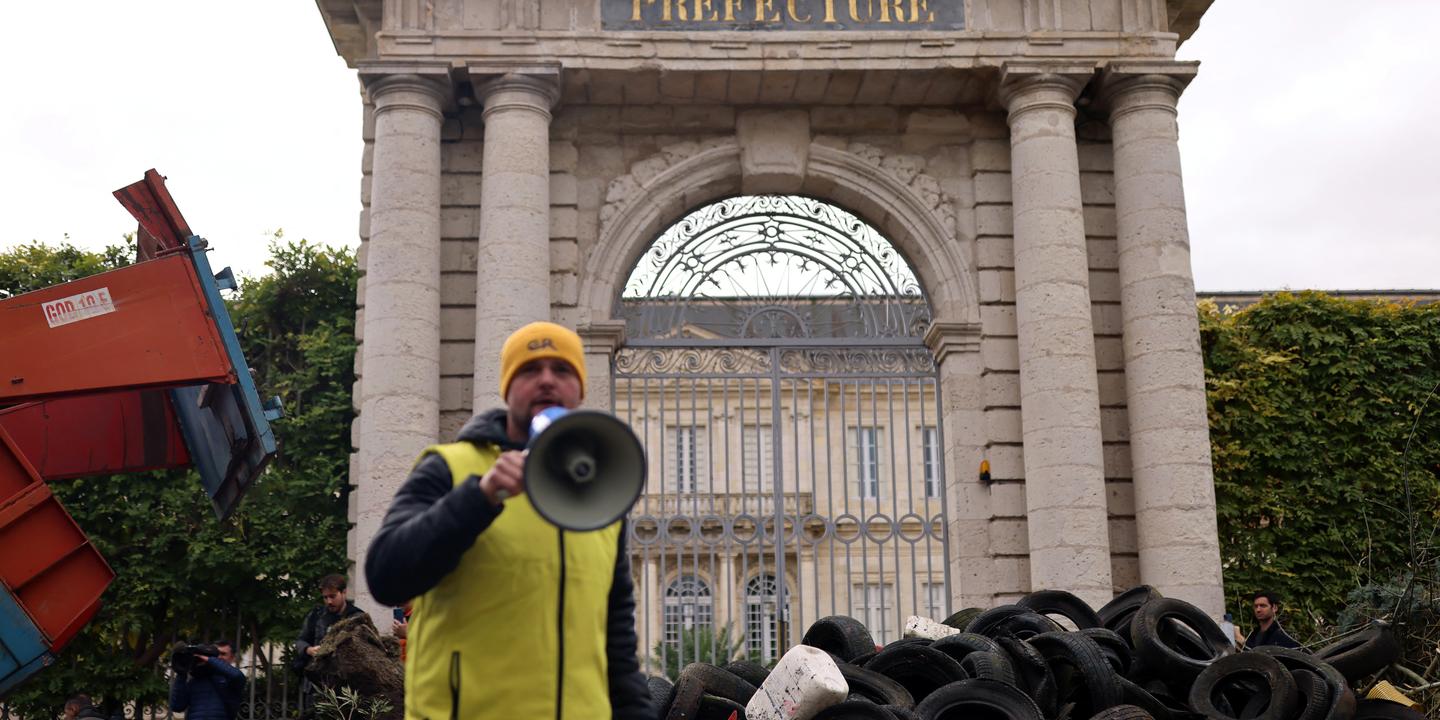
x=541 y=340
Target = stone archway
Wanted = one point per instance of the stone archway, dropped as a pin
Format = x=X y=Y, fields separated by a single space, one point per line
x=888 y=190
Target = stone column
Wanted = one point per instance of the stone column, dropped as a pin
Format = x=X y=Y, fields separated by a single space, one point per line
x=400 y=355
x=1164 y=371
x=1059 y=393
x=513 y=262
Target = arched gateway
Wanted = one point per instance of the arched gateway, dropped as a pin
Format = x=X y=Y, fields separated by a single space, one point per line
x=833 y=259
x=775 y=367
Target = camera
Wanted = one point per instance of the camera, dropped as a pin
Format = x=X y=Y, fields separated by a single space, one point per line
x=182 y=658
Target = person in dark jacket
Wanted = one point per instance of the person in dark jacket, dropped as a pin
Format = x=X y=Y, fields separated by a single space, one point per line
x=334 y=606
x=1268 y=631
x=212 y=690
x=498 y=591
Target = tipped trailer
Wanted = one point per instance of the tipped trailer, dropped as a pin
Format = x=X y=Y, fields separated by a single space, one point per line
x=125 y=371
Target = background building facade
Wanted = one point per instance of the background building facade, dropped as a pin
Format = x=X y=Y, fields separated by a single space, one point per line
x=827 y=257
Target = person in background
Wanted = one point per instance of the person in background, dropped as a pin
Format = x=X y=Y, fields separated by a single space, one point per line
x=333 y=607
x=212 y=689
x=74 y=705
x=1268 y=630
x=1232 y=633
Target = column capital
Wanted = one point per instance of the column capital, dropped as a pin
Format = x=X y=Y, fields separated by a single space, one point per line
x=1129 y=85
x=509 y=88
x=416 y=86
x=1034 y=84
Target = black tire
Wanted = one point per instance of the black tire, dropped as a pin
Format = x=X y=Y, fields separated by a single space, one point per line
x=1140 y=697
x=685 y=702
x=1123 y=712
x=1064 y=604
x=751 y=672
x=901 y=713
x=1018 y=621
x=1229 y=681
x=920 y=669
x=958 y=646
x=1314 y=694
x=1172 y=660
x=1385 y=710
x=1032 y=671
x=1341 y=699
x=719 y=682
x=713 y=707
x=983 y=698
x=854 y=710
x=1082 y=674
x=962 y=618
x=844 y=637
x=1116 y=614
x=1116 y=649
x=908 y=641
x=662 y=692
x=1364 y=653
x=862 y=658
x=989 y=666
x=878 y=688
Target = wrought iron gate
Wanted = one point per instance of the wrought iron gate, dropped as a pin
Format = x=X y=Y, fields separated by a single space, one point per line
x=774 y=368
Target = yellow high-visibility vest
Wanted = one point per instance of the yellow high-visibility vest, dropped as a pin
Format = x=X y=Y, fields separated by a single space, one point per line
x=517 y=630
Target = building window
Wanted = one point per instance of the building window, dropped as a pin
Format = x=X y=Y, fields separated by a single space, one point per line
x=867 y=461
x=685 y=458
x=930 y=456
x=872 y=608
x=761 y=612
x=688 y=606
x=757 y=453
x=934 y=601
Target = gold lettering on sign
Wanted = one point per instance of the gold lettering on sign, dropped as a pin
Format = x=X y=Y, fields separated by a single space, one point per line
x=775 y=14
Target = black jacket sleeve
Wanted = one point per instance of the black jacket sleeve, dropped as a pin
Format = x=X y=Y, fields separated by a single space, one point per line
x=629 y=695
x=306 y=639
x=430 y=524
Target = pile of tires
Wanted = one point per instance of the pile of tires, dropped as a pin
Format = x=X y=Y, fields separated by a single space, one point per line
x=1050 y=656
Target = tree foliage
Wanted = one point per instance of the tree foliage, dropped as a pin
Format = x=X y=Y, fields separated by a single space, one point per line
x=179 y=573
x=1325 y=429
x=700 y=643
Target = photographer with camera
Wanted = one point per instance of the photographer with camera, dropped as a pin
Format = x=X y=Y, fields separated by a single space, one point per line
x=206 y=685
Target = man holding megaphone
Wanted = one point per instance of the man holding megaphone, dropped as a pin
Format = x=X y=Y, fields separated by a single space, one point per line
x=513 y=616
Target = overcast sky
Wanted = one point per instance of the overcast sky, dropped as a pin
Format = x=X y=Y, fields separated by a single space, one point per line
x=1310 y=139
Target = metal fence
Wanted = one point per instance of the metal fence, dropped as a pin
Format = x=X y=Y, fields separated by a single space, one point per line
x=787 y=483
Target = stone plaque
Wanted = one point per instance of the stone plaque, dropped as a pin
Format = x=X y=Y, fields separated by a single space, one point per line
x=867 y=15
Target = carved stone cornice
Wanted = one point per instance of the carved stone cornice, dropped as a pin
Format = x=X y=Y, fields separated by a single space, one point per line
x=1042 y=84
x=944 y=338
x=602 y=337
